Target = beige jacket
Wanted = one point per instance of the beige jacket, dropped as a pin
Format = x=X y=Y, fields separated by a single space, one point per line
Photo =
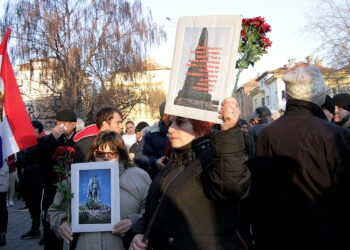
x=134 y=183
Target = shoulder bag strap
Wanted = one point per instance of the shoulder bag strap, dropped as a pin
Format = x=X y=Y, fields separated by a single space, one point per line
x=154 y=215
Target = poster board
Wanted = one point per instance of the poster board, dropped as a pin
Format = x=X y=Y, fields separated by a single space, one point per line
x=204 y=61
x=96 y=197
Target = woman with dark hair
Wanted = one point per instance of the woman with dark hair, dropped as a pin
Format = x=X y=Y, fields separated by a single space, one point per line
x=193 y=203
x=134 y=184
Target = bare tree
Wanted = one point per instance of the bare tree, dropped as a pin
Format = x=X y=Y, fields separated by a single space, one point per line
x=330 y=24
x=87 y=44
x=155 y=97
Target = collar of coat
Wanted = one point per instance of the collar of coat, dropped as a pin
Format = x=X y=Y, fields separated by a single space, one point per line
x=188 y=153
x=304 y=107
x=90 y=130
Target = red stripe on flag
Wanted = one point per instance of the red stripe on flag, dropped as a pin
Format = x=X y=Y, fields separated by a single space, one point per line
x=14 y=107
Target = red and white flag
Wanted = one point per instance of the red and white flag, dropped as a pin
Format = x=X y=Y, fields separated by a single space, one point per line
x=16 y=130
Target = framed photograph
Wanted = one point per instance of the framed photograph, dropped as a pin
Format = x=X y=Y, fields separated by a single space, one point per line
x=96 y=200
x=204 y=61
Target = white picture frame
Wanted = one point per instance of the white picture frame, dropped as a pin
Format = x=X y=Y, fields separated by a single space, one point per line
x=203 y=69
x=96 y=198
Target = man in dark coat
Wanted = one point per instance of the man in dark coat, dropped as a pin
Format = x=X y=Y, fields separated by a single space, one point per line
x=31 y=178
x=262 y=118
x=301 y=179
x=137 y=147
x=342 y=109
x=61 y=135
x=154 y=146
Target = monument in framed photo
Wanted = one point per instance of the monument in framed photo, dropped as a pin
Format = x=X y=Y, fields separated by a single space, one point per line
x=96 y=201
x=204 y=61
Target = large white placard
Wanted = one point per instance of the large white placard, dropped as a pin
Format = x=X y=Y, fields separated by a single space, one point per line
x=203 y=68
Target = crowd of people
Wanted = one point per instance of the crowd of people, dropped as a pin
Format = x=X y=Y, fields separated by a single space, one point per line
x=277 y=181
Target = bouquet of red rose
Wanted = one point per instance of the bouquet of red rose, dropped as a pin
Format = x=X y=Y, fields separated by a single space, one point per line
x=253 y=43
x=64 y=156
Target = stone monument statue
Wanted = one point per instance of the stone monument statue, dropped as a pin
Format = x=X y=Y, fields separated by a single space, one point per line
x=195 y=92
x=94 y=189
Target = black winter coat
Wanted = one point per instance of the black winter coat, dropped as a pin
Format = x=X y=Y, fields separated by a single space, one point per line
x=301 y=182
x=40 y=157
x=153 y=148
x=205 y=182
x=83 y=148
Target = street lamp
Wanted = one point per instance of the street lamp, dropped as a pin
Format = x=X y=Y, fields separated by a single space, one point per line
x=170 y=20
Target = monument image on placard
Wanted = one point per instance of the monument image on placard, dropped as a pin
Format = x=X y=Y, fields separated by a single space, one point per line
x=198 y=81
x=95 y=200
x=203 y=69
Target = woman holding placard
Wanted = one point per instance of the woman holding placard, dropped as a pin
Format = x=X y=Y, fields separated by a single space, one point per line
x=134 y=184
x=194 y=202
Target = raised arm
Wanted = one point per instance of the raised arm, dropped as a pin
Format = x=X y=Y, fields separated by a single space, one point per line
x=228 y=176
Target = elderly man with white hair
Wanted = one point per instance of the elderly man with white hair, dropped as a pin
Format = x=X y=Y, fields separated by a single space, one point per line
x=301 y=177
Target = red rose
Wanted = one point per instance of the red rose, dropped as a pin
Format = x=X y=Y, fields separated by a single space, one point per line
x=265 y=42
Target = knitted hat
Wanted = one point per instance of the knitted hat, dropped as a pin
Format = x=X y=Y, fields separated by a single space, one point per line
x=66 y=116
x=140 y=126
x=342 y=100
x=329 y=104
x=305 y=83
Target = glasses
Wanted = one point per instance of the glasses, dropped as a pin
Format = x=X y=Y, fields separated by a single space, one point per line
x=101 y=154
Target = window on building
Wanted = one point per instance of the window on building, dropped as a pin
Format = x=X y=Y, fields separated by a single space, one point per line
x=283 y=95
x=262 y=83
x=263 y=101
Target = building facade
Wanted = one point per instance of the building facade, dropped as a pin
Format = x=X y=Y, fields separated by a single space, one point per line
x=154 y=83
x=35 y=80
x=270 y=88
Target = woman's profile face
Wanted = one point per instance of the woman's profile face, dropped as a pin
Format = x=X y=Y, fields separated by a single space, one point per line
x=180 y=131
x=104 y=153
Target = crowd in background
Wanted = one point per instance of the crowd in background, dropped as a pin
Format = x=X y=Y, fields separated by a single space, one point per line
x=277 y=181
